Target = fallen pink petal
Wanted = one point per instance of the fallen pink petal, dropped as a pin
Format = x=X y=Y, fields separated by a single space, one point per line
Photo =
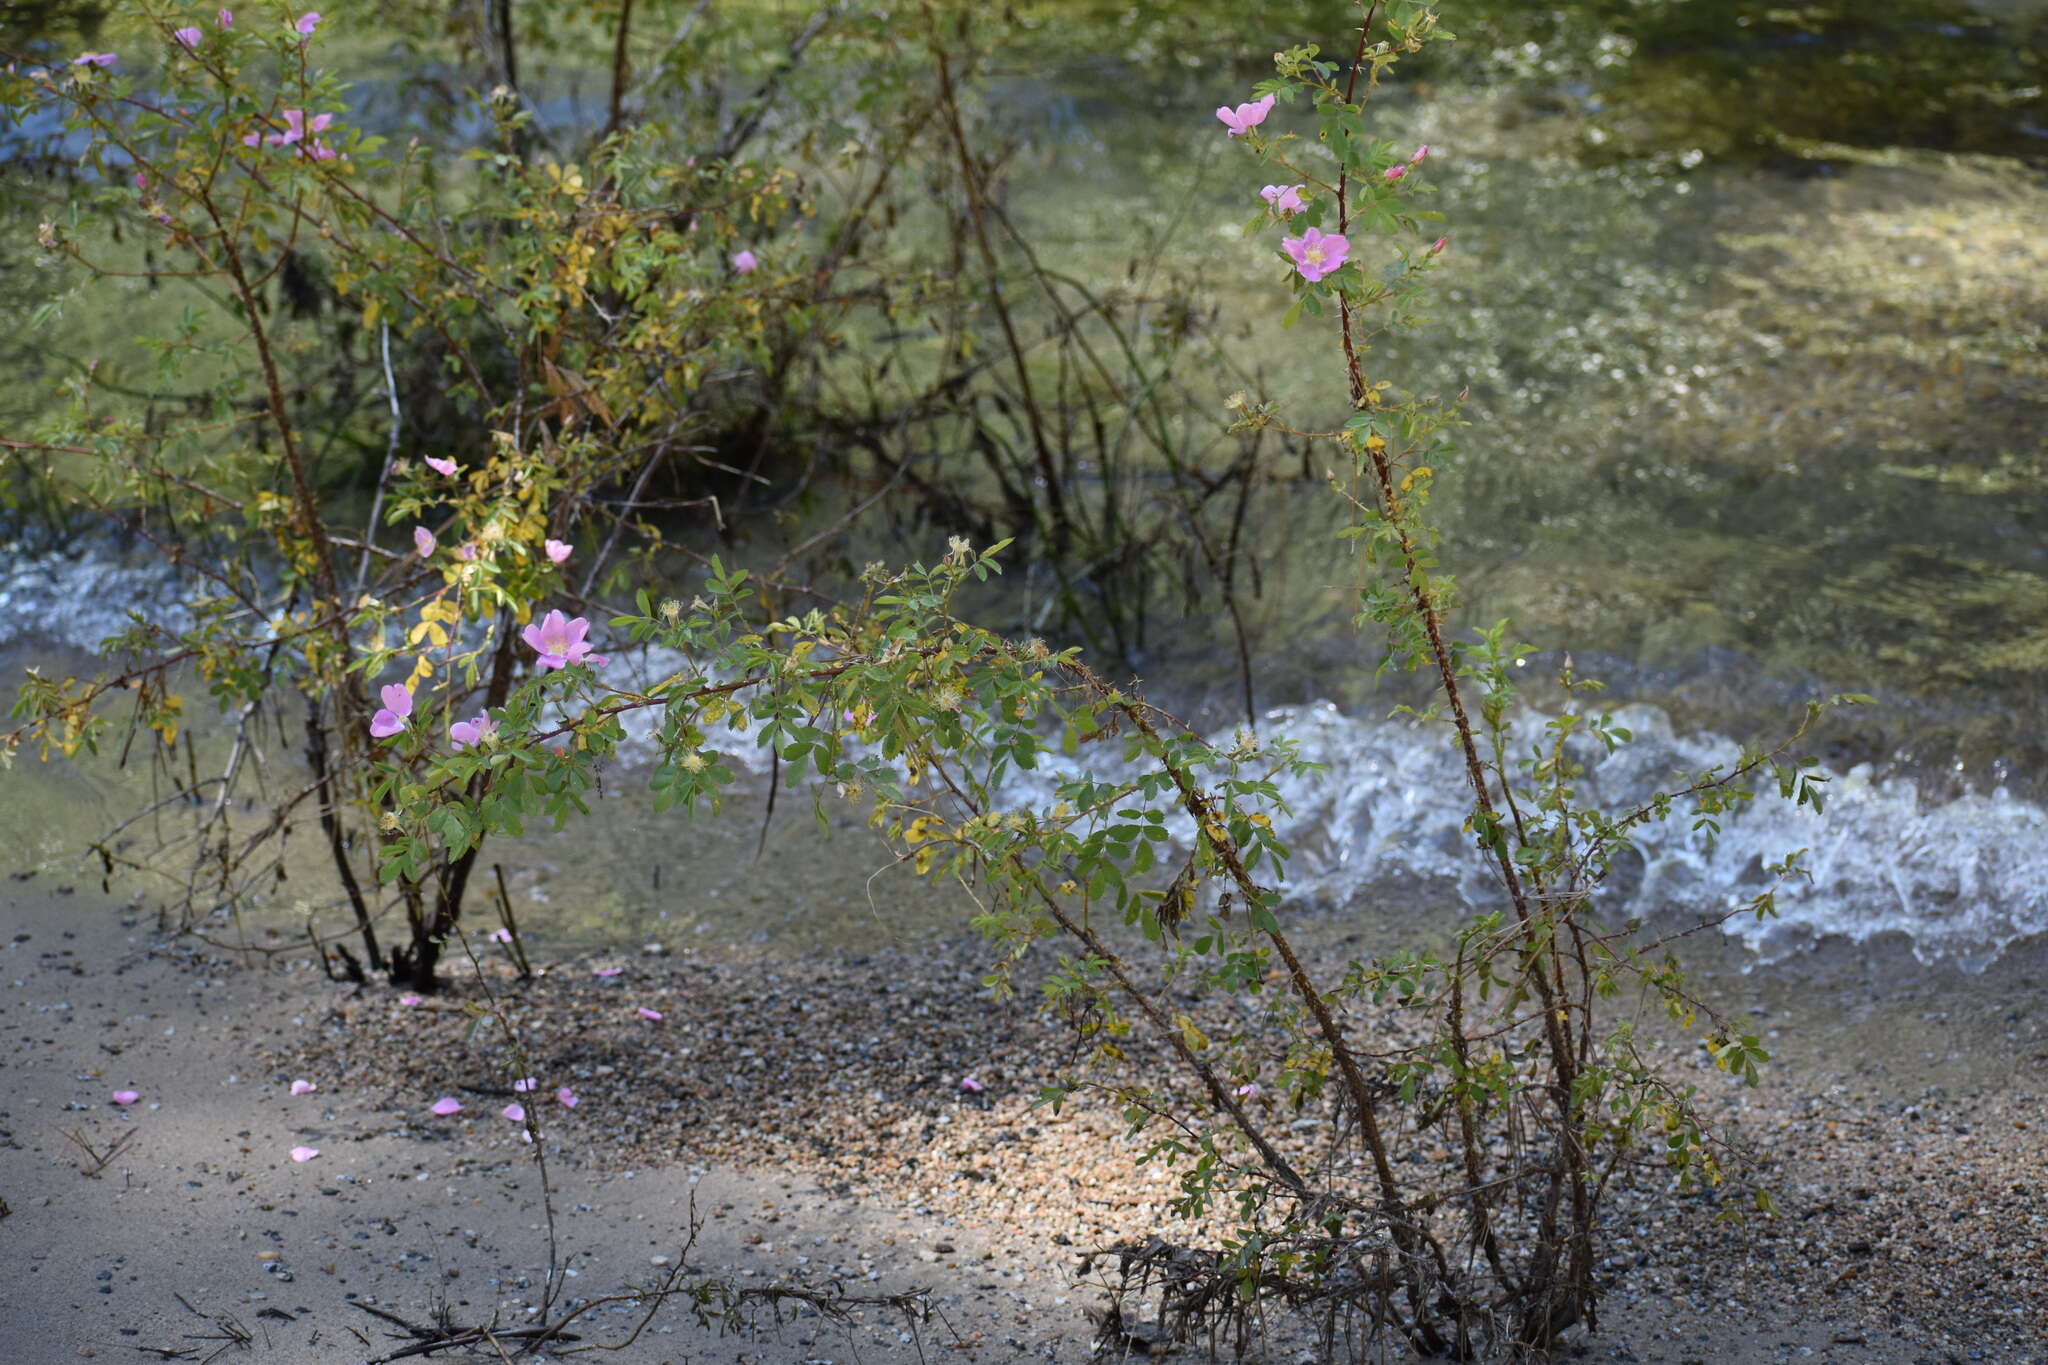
x=514 y=1112
x=525 y=1084
x=971 y=1086
x=411 y=1000
x=304 y=1153
x=303 y=1087
x=567 y=1097
x=606 y=971
x=124 y=1098
x=653 y=1016
x=447 y=1105
x=505 y=936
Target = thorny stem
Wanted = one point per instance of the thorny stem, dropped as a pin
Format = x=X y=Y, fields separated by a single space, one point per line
x=1198 y=807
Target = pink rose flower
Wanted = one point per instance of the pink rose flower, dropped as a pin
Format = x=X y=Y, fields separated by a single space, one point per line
x=744 y=263
x=423 y=541
x=1317 y=253
x=559 y=641
x=397 y=706
x=187 y=36
x=464 y=733
x=1245 y=117
x=1286 y=200
x=297 y=126
x=558 y=551
x=307 y=23
x=440 y=466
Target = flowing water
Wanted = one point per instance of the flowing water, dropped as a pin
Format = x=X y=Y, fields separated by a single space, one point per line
x=1757 y=384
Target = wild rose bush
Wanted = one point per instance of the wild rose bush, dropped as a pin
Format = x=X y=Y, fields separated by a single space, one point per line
x=493 y=706
x=580 y=323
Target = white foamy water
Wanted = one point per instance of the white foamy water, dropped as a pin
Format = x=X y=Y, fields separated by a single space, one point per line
x=80 y=599
x=1962 y=877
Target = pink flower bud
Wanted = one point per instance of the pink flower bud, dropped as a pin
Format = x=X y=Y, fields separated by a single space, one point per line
x=1436 y=247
